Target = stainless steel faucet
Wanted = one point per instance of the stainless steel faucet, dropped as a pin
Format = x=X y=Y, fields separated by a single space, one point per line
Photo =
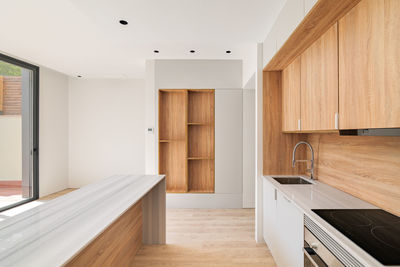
x=311 y=170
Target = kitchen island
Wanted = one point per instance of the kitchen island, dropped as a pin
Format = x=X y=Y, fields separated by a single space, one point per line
x=101 y=224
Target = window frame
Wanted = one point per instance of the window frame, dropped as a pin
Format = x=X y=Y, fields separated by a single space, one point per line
x=35 y=127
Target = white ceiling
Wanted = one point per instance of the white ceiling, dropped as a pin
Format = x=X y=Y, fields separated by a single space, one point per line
x=83 y=37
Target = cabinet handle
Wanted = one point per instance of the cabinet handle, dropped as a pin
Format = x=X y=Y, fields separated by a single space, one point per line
x=336 y=120
x=299 y=124
x=275 y=192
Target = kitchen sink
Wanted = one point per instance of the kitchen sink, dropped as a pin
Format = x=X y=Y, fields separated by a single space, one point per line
x=291 y=180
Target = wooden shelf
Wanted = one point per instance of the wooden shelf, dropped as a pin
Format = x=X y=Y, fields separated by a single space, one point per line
x=199 y=191
x=198 y=123
x=179 y=109
x=200 y=158
x=169 y=140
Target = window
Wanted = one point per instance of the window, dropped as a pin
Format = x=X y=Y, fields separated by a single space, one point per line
x=19 y=106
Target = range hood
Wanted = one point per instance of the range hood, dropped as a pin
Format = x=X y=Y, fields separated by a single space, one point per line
x=372 y=132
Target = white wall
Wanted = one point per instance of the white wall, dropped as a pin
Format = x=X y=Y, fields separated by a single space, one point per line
x=198 y=74
x=228 y=142
x=53 y=131
x=10 y=148
x=106 y=129
x=249 y=124
x=201 y=74
x=289 y=18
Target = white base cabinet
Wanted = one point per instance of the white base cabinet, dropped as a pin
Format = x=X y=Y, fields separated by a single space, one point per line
x=283 y=227
x=269 y=213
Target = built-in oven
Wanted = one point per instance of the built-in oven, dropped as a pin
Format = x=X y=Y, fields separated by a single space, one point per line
x=316 y=254
x=321 y=250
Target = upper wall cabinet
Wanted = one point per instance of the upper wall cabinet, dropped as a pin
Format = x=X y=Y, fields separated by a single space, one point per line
x=291 y=97
x=369 y=65
x=319 y=83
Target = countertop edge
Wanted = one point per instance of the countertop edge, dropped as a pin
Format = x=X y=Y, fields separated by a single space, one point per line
x=345 y=242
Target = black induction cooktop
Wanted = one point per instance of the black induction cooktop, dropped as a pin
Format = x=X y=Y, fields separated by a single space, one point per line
x=375 y=231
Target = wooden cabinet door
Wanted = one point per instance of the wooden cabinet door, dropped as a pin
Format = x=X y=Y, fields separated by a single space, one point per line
x=291 y=97
x=319 y=83
x=369 y=66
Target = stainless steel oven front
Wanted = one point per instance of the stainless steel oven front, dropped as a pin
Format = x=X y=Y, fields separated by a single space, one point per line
x=320 y=249
x=316 y=254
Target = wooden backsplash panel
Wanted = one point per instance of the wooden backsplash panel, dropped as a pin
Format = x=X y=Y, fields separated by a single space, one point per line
x=367 y=167
x=277 y=146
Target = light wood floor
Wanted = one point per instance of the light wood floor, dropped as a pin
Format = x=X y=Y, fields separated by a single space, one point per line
x=200 y=237
x=57 y=194
x=197 y=237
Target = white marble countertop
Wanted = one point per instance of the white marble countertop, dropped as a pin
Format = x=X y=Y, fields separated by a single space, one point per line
x=321 y=196
x=52 y=233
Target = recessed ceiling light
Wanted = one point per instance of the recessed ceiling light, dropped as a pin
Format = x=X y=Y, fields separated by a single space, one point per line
x=156 y=51
x=79 y=76
x=228 y=51
x=192 y=51
x=123 y=22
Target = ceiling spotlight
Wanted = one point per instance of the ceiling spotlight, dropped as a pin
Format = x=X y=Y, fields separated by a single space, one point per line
x=123 y=22
x=156 y=51
x=228 y=51
x=192 y=51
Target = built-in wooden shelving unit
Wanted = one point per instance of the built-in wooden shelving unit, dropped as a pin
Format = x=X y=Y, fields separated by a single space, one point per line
x=186 y=140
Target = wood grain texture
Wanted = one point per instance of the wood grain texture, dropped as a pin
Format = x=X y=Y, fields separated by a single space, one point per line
x=115 y=246
x=320 y=18
x=319 y=83
x=203 y=237
x=173 y=149
x=187 y=133
x=369 y=65
x=173 y=163
x=367 y=167
x=172 y=114
x=57 y=194
x=201 y=141
x=201 y=106
x=201 y=176
x=392 y=63
x=291 y=95
x=277 y=146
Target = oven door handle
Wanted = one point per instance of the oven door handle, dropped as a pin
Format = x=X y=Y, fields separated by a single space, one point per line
x=308 y=252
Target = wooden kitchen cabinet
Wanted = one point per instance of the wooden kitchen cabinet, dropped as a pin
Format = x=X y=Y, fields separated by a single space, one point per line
x=291 y=97
x=319 y=83
x=369 y=66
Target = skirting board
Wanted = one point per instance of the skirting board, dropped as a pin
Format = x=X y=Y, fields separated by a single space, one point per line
x=204 y=201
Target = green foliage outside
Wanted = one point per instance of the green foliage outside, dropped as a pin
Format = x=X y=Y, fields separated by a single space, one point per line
x=7 y=69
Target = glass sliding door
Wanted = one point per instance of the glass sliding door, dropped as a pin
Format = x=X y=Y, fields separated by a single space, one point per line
x=18 y=132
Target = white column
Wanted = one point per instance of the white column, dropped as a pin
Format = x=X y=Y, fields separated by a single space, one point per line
x=259 y=143
x=151 y=120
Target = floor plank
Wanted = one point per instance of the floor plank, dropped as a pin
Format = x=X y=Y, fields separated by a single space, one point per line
x=57 y=194
x=199 y=237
